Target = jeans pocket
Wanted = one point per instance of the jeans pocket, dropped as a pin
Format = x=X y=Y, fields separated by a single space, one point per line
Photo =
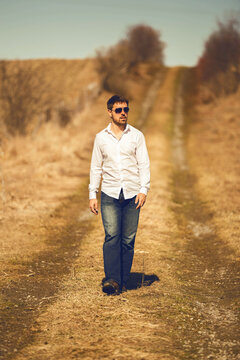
x=132 y=202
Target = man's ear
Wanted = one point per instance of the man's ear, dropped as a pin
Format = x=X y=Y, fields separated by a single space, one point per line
x=110 y=113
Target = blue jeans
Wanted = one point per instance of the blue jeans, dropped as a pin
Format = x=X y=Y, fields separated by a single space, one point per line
x=120 y=221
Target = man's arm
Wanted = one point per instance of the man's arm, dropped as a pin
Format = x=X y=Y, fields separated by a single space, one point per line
x=95 y=176
x=144 y=171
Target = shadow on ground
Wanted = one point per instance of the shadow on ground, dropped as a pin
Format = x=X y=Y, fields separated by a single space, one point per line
x=138 y=279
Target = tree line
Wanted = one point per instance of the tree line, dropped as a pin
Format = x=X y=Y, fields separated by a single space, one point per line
x=141 y=44
x=26 y=92
x=219 y=66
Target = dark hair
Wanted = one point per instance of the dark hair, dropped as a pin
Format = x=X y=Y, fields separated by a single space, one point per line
x=114 y=99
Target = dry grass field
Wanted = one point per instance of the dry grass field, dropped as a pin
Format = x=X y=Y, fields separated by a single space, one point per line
x=182 y=298
x=214 y=149
x=38 y=171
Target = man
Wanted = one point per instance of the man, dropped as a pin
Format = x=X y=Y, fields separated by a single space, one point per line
x=120 y=157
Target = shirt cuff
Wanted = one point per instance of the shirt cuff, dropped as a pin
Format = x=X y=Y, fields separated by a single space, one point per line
x=92 y=195
x=143 y=190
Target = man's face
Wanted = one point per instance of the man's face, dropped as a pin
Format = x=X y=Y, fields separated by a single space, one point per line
x=119 y=118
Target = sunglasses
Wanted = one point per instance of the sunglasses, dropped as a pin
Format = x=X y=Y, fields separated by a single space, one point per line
x=119 y=110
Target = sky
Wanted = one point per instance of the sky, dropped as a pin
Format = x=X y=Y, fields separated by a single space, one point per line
x=76 y=28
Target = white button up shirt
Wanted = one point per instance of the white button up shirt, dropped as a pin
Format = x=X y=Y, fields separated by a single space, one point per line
x=122 y=163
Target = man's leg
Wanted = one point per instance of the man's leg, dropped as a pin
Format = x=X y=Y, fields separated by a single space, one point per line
x=130 y=216
x=111 y=217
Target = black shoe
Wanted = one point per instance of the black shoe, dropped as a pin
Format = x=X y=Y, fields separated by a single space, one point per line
x=111 y=287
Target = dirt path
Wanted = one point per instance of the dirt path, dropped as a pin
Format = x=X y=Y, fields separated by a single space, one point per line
x=182 y=297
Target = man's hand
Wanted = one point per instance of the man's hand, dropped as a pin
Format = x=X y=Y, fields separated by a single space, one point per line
x=93 y=204
x=140 y=199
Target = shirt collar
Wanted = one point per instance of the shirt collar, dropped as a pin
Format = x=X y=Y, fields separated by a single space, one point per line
x=108 y=129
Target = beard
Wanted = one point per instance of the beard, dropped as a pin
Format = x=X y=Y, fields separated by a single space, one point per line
x=119 y=121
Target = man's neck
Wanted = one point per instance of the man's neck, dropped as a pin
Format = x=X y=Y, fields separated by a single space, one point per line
x=117 y=129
